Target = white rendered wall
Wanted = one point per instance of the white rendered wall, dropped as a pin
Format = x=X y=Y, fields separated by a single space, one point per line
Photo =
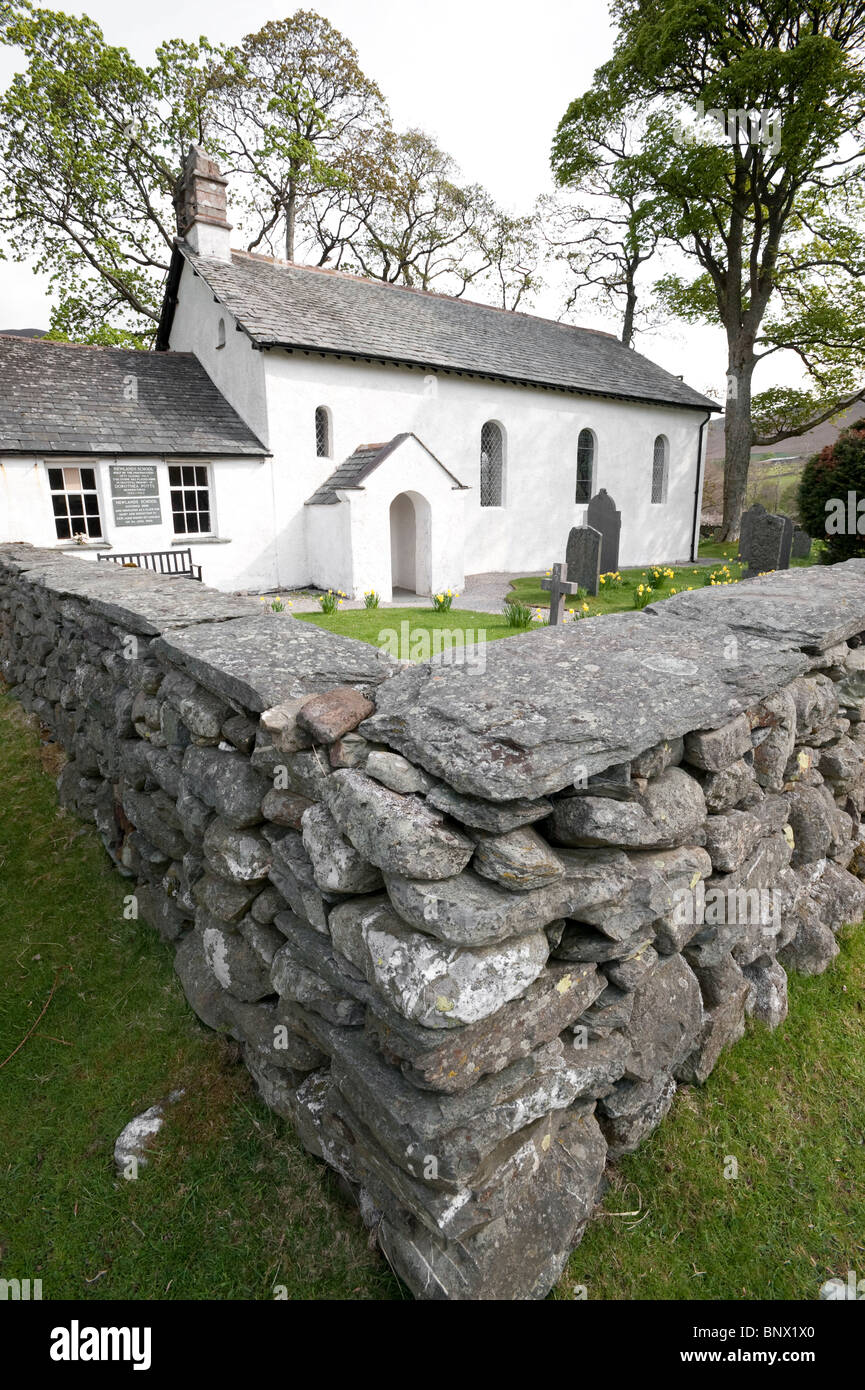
x=371 y=403
x=351 y=542
x=241 y=509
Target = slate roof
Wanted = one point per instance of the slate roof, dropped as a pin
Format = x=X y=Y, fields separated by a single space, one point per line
x=280 y=304
x=66 y=398
x=352 y=472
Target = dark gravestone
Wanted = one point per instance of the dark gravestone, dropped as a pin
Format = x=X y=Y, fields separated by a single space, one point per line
x=769 y=544
x=601 y=514
x=786 y=542
x=801 y=544
x=583 y=557
x=746 y=527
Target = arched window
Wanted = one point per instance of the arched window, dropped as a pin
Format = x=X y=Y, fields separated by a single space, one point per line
x=492 y=465
x=322 y=433
x=220 y=334
x=659 y=469
x=585 y=465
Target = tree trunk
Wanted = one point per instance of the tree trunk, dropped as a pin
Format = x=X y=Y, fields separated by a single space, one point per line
x=738 y=434
x=290 y=220
x=630 y=313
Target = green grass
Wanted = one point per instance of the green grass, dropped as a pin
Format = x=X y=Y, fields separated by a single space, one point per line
x=789 y=1106
x=616 y=600
x=229 y=1205
x=367 y=625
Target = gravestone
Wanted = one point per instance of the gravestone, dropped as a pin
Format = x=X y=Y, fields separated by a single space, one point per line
x=787 y=541
x=801 y=544
x=583 y=557
x=602 y=515
x=770 y=542
x=746 y=527
x=558 y=587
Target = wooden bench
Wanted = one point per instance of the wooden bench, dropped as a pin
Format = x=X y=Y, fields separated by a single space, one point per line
x=176 y=564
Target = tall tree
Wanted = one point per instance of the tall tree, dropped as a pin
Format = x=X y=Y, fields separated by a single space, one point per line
x=290 y=101
x=610 y=232
x=89 y=147
x=752 y=110
x=404 y=216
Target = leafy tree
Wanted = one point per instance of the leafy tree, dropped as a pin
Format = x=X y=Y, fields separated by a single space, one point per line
x=754 y=121
x=607 y=237
x=89 y=147
x=289 y=103
x=91 y=144
x=832 y=495
x=411 y=221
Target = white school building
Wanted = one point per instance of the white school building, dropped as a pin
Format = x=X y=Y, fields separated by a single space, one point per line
x=303 y=426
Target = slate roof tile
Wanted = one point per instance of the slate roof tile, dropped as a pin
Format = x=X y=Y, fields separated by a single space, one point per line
x=281 y=304
x=68 y=398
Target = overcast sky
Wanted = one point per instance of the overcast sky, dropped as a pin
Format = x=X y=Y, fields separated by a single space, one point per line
x=490 y=79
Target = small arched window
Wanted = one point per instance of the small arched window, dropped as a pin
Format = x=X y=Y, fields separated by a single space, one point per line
x=322 y=433
x=492 y=464
x=220 y=334
x=659 y=469
x=585 y=465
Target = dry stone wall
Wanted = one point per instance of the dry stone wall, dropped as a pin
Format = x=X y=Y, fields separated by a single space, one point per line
x=472 y=924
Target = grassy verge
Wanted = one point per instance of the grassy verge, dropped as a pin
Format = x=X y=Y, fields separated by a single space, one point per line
x=368 y=624
x=789 y=1107
x=229 y=1205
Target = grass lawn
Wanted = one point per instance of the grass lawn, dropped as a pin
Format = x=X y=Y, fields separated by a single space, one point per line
x=619 y=597
x=789 y=1106
x=368 y=624
x=230 y=1206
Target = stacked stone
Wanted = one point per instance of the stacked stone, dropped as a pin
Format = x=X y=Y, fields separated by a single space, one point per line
x=450 y=912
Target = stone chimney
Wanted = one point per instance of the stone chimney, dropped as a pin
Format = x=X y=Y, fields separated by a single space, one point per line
x=200 y=206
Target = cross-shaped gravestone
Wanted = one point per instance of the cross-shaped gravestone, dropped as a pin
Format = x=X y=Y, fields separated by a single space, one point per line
x=558 y=587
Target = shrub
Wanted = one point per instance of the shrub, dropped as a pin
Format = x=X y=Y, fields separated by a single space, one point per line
x=827 y=478
x=516 y=614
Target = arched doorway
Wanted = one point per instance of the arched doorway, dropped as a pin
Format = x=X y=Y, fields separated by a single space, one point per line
x=410 y=536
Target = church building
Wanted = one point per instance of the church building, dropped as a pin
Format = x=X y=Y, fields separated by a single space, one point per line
x=303 y=426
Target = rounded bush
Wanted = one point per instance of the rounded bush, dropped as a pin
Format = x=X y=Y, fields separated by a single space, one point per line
x=832 y=496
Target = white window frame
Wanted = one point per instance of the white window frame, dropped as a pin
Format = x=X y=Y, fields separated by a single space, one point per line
x=62 y=465
x=664 y=441
x=493 y=506
x=583 y=502
x=328 y=418
x=191 y=536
